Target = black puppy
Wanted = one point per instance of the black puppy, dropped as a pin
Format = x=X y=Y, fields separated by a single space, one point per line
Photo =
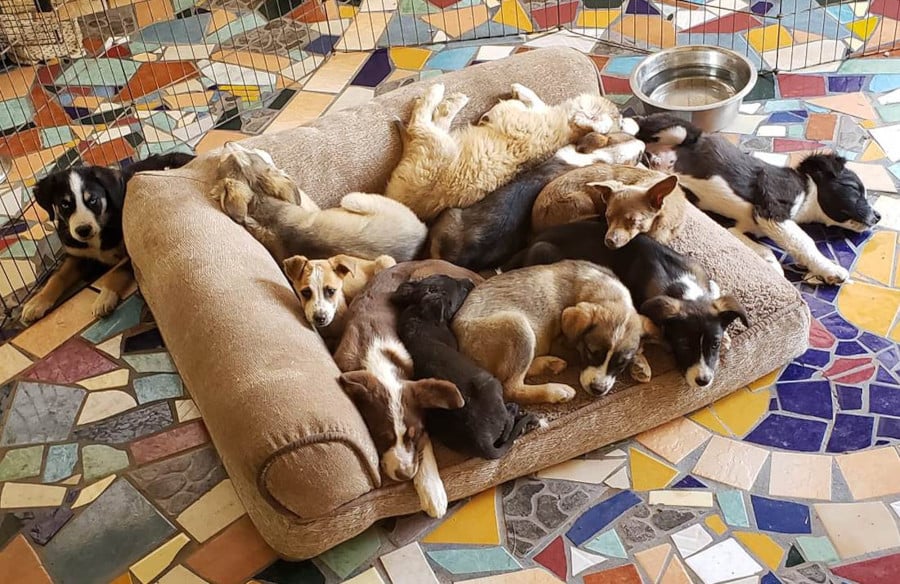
x=670 y=289
x=484 y=426
x=85 y=203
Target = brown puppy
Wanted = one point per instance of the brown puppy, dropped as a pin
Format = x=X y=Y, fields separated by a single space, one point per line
x=634 y=200
x=326 y=288
x=508 y=325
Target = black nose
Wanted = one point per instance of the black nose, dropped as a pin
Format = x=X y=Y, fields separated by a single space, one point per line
x=702 y=381
x=876 y=215
x=320 y=319
x=84 y=230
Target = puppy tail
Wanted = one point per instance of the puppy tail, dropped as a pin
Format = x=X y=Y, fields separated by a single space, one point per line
x=523 y=424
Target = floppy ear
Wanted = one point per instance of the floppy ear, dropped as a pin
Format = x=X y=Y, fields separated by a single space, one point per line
x=407 y=293
x=293 y=267
x=649 y=328
x=729 y=308
x=658 y=192
x=113 y=183
x=433 y=304
x=606 y=189
x=436 y=394
x=358 y=385
x=44 y=197
x=661 y=308
x=343 y=266
x=576 y=319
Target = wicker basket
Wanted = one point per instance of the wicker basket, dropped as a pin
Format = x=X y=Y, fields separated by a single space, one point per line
x=34 y=32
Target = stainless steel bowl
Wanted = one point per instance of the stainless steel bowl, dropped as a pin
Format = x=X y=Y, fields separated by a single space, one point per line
x=702 y=84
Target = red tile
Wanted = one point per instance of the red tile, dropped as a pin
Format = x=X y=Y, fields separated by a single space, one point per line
x=555 y=15
x=627 y=574
x=108 y=153
x=819 y=336
x=118 y=52
x=600 y=61
x=233 y=556
x=308 y=12
x=615 y=85
x=443 y=3
x=168 y=443
x=821 y=126
x=151 y=77
x=21 y=143
x=48 y=73
x=889 y=8
x=788 y=145
x=845 y=364
x=48 y=113
x=730 y=24
x=801 y=85
x=73 y=361
x=878 y=571
x=553 y=557
x=19 y=563
x=93 y=46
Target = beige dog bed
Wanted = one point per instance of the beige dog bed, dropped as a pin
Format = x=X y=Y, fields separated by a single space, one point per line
x=296 y=449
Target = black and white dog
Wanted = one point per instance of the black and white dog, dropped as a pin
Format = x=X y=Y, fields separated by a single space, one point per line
x=85 y=204
x=669 y=288
x=758 y=198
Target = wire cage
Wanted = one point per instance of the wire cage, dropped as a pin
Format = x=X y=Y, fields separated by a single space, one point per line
x=112 y=81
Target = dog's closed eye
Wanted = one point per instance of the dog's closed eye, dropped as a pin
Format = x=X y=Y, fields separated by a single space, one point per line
x=306 y=293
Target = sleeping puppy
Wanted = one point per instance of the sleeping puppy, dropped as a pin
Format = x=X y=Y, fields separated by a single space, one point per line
x=634 y=200
x=489 y=232
x=485 y=426
x=326 y=288
x=669 y=288
x=442 y=169
x=508 y=326
x=85 y=204
x=259 y=196
x=761 y=199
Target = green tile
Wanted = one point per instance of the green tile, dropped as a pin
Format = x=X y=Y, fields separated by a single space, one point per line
x=471 y=560
x=21 y=463
x=98 y=72
x=889 y=113
x=348 y=556
x=56 y=136
x=61 y=459
x=732 y=504
x=607 y=544
x=796 y=131
x=157 y=387
x=817 y=549
x=151 y=363
x=15 y=112
x=20 y=250
x=100 y=461
x=125 y=316
x=764 y=89
x=870 y=66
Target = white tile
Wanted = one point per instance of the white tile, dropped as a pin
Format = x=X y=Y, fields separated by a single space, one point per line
x=888 y=138
x=493 y=52
x=682 y=498
x=351 y=97
x=408 y=565
x=619 y=480
x=875 y=177
x=691 y=18
x=691 y=540
x=749 y=108
x=616 y=452
x=776 y=131
x=744 y=124
x=823 y=68
x=582 y=471
x=896 y=507
x=228 y=74
x=889 y=98
x=805 y=55
x=582 y=560
x=773 y=158
x=564 y=38
x=723 y=562
x=187 y=52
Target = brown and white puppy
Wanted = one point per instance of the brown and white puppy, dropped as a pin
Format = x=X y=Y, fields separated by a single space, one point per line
x=326 y=287
x=509 y=323
x=262 y=198
x=377 y=377
x=441 y=169
x=634 y=200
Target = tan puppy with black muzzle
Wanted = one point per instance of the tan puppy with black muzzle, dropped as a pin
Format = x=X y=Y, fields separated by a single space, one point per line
x=509 y=323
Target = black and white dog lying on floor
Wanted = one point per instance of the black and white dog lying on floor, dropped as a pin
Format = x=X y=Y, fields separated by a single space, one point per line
x=85 y=204
x=758 y=198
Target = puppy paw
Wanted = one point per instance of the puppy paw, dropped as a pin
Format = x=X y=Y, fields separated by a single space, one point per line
x=726 y=341
x=433 y=95
x=433 y=497
x=559 y=392
x=629 y=126
x=640 y=369
x=546 y=365
x=35 y=309
x=105 y=303
x=831 y=276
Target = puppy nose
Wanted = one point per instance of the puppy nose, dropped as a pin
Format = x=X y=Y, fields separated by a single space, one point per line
x=320 y=319
x=84 y=230
x=404 y=474
x=702 y=380
x=877 y=216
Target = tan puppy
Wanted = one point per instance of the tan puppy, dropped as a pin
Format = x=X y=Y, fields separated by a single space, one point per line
x=326 y=287
x=634 y=200
x=509 y=323
x=259 y=196
x=441 y=168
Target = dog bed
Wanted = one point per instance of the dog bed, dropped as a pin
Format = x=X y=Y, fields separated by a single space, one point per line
x=297 y=451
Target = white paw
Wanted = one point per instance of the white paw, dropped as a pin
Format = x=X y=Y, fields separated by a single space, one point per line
x=559 y=392
x=433 y=497
x=35 y=309
x=726 y=341
x=630 y=152
x=105 y=303
x=640 y=370
x=525 y=95
x=434 y=94
x=630 y=127
x=831 y=276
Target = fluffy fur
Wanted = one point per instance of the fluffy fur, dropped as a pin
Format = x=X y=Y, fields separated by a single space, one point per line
x=441 y=169
x=256 y=194
x=761 y=199
x=85 y=204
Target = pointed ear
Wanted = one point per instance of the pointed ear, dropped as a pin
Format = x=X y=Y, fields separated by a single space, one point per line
x=436 y=394
x=661 y=308
x=44 y=197
x=576 y=319
x=358 y=385
x=729 y=309
x=343 y=265
x=294 y=266
x=658 y=192
x=606 y=189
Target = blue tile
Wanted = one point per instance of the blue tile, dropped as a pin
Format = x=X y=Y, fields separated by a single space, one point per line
x=849 y=398
x=815 y=357
x=812 y=398
x=850 y=432
x=890 y=358
x=780 y=516
x=182 y=31
x=451 y=59
x=839 y=327
x=375 y=70
x=323 y=45
x=156 y=387
x=780 y=105
x=761 y=8
x=15 y=112
x=846 y=83
x=817 y=307
x=405 y=30
x=127 y=315
x=885 y=376
x=733 y=508
x=61 y=459
x=884 y=83
x=473 y=560
x=641 y=7
x=874 y=342
x=796 y=372
x=884 y=399
x=789 y=433
x=55 y=136
x=622 y=66
x=773 y=404
x=788 y=117
x=815 y=20
x=887 y=428
x=827 y=293
x=769 y=578
x=599 y=516
x=847 y=348
x=689 y=482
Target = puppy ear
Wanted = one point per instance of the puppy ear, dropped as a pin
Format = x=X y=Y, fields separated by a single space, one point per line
x=658 y=192
x=406 y=294
x=343 y=265
x=576 y=319
x=112 y=182
x=606 y=189
x=294 y=266
x=359 y=386
x=649 y=330
x=43 y=196
x=436 y=394
x=661 y=308
x=434 y=305
x=729 y=309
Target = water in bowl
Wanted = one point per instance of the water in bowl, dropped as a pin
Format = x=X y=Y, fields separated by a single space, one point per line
x=691 y=86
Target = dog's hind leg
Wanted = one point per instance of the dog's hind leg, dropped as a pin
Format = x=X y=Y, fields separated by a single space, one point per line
x=425 y=106
x=447 y=110
x=428 y=483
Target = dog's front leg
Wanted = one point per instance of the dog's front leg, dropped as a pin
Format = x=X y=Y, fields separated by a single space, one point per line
x=528 y=97
x=802 y=248
x=640 y=368
x=761 y=250
x=113 y=288
x=447 y=110
x=65 y=277
x=428 y=483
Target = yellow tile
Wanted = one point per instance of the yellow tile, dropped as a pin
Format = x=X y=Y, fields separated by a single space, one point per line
x=597 y=18
x=653 y=560
x=871 y=473
x=363 y=33
x=856 y=529
x=400 y=74
x=212 y=512
x=876 y=260
x=149 y=11
x=455 y=22
x=186 y=410
x=706 y=418
x=529 y=576
x=112 y=347
x=674 y=440
x=763 y=547
x=304 y=107
x=73 y=10
x=769 y=38
x=370 y=576
x=800 y=475
x=92 y=491
x=675 y=573
x=123 y=579
x=864 y=28
x=872 y=308
x=873 y=151
x=12 y=362
x=895 y=334
x=511 y=14
x=72 y=480
x=16 y=83
x=180 y=575
x=188 y=100
x=246 y=92
x=24 y=495
x=219 y=18
x=270 y=63
x=216 y=138
x=474 y=523
x=765 y=381
x=100 y=405
x=409 y=57
x=56 y=327
x=347 y=11
x=116 y=378
x=715 y=523
x=335 y=73
x=868 y=124
x=159 y=559
x=742 y=409
x=648 y=473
